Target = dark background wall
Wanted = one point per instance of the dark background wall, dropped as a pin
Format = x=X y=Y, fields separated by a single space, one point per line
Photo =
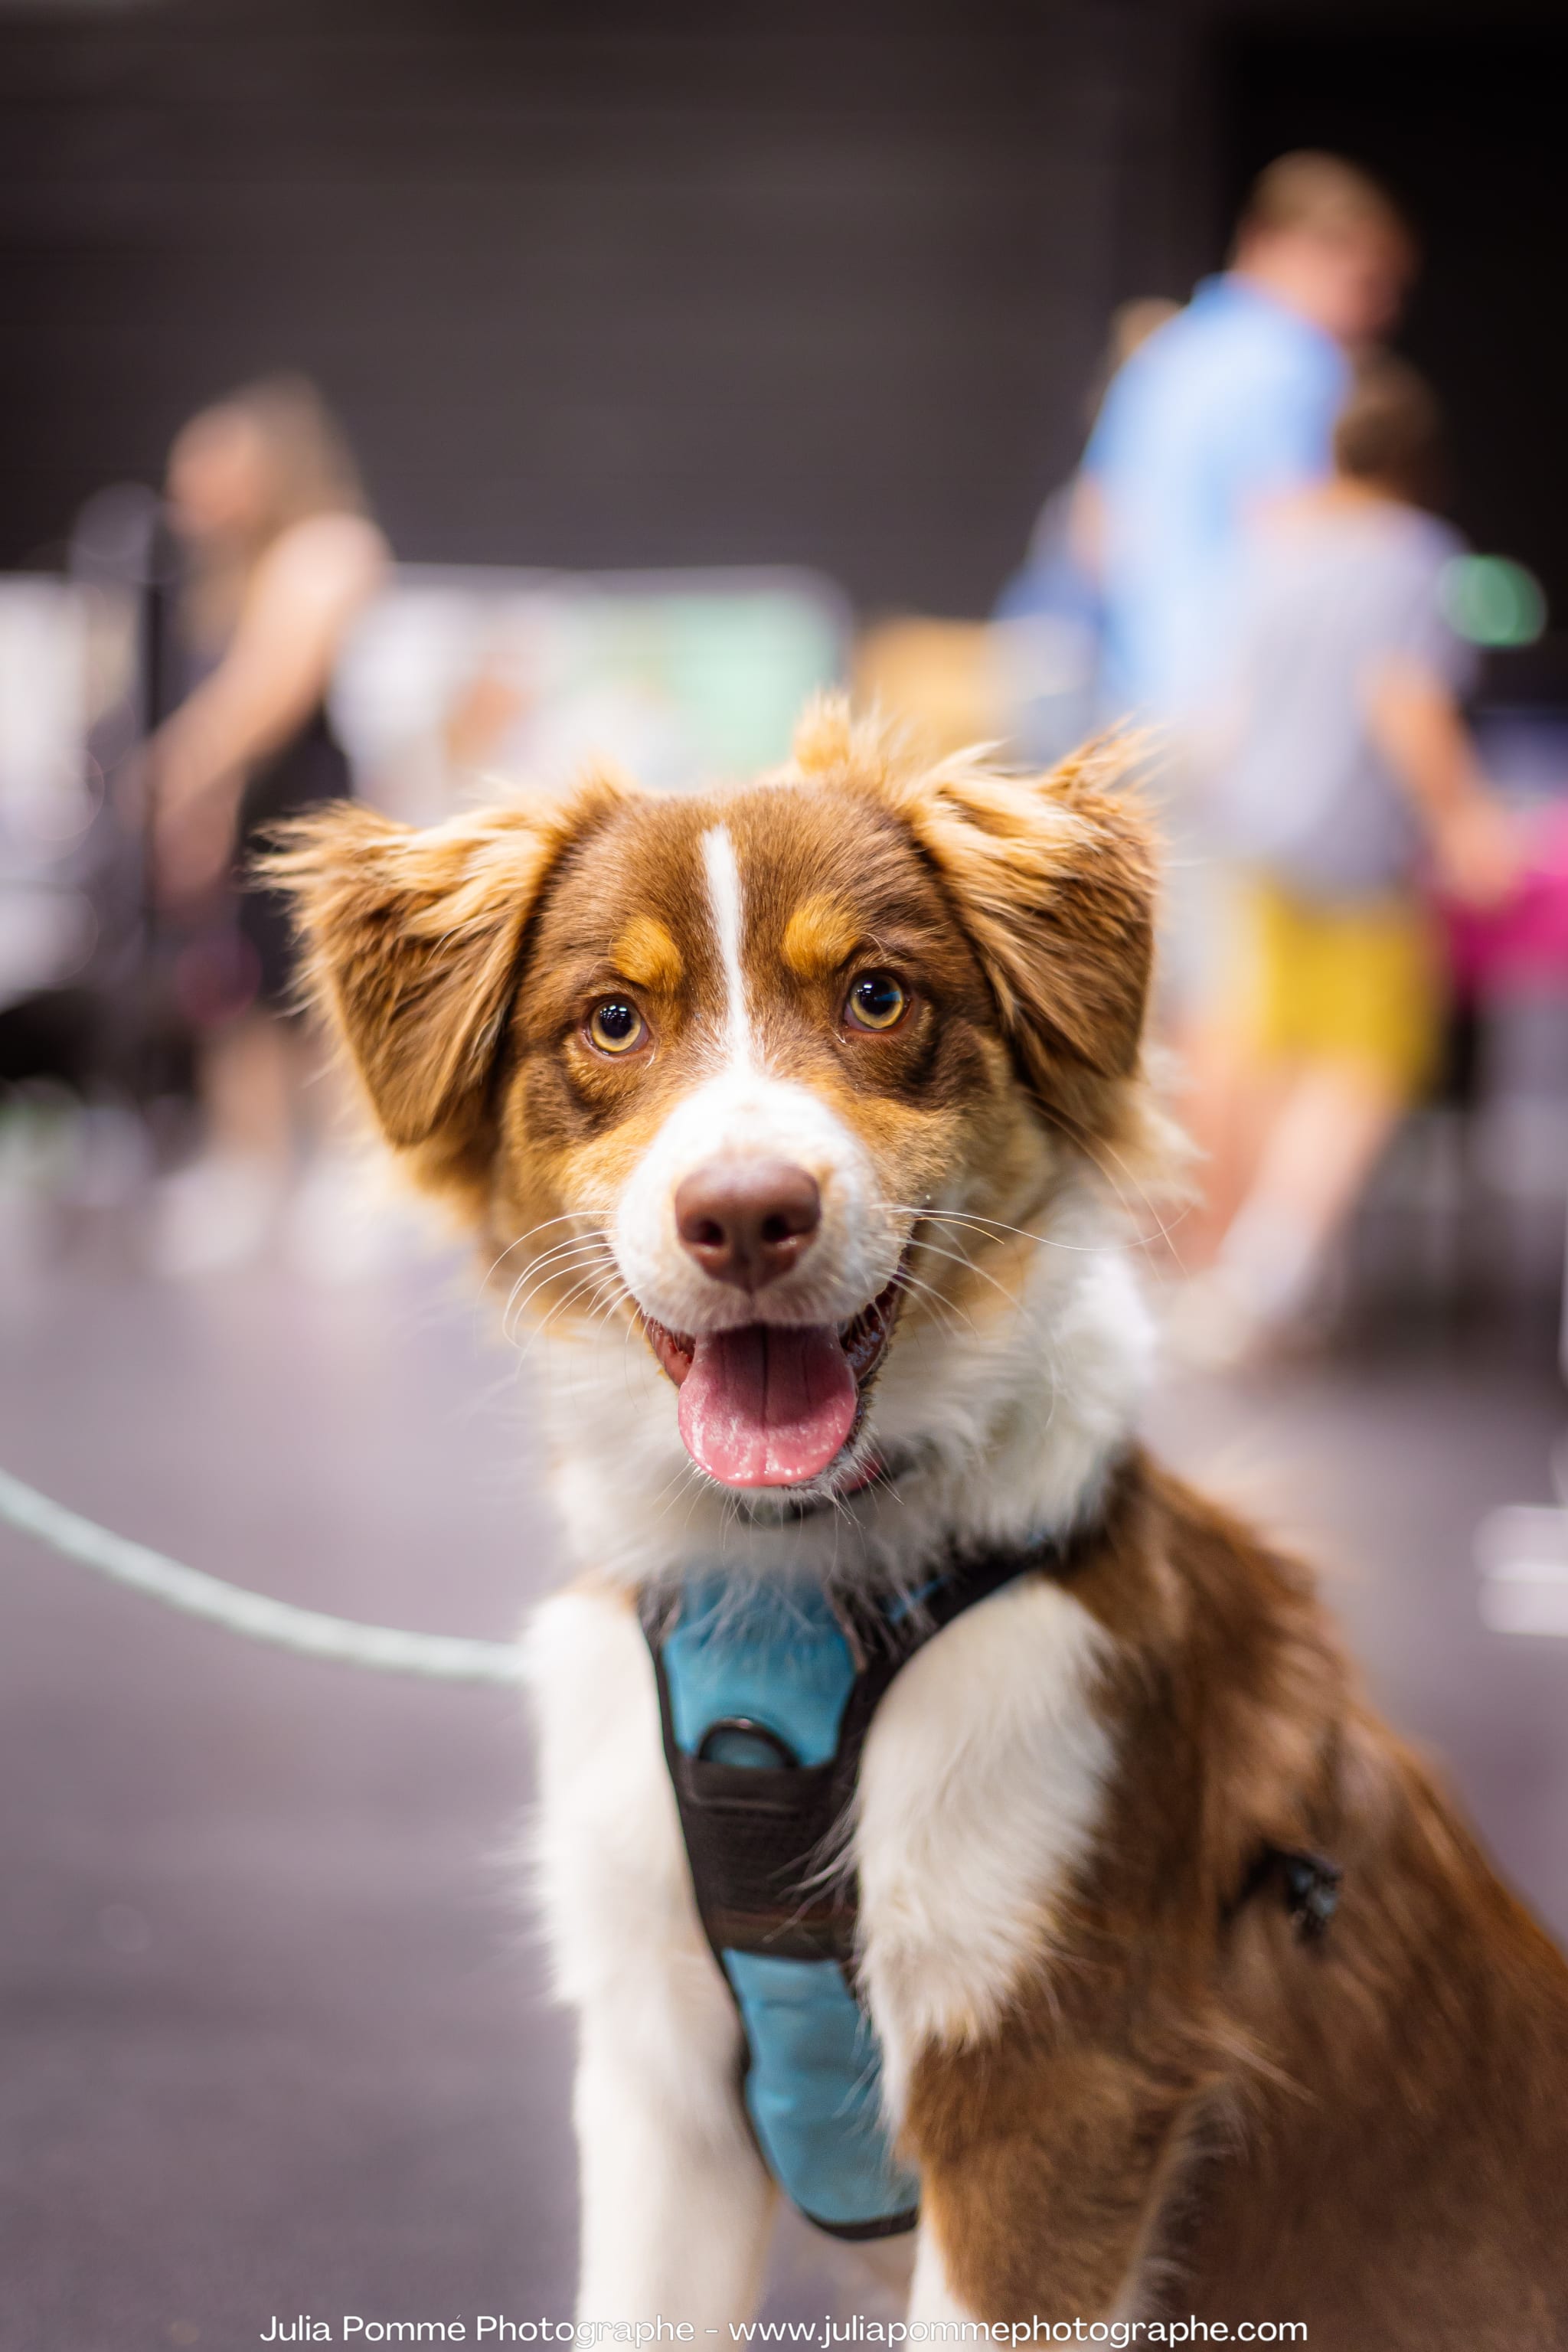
x=637 y=283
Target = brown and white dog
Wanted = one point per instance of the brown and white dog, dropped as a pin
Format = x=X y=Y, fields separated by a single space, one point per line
x=791 y=1108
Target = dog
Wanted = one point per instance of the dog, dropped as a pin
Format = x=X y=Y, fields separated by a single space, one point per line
x=802 y=1115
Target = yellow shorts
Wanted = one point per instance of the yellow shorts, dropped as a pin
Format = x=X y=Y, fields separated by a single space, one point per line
x=1338 y=980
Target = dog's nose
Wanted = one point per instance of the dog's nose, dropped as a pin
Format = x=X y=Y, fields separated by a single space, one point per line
x=748 y=1220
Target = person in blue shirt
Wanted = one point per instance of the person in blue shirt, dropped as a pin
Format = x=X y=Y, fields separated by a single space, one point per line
x=1229 y=406
x=1227 y=410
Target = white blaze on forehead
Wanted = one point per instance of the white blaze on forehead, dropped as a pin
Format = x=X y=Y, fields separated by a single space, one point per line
x=739 y=1110
x=724 y=872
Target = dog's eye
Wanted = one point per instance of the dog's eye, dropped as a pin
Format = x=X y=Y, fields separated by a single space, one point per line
x=616 y=1026
x=875 y=1001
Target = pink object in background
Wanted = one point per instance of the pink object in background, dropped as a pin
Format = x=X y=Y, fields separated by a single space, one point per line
x=1523 y=943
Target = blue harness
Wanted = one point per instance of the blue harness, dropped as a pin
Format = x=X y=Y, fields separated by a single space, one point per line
x=766 y=1695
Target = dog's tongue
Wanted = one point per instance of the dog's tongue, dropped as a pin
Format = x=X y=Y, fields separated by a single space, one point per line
x=768 y=1405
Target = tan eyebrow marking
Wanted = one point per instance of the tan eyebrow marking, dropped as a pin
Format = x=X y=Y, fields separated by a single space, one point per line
x=819 y=935
x=647 y=956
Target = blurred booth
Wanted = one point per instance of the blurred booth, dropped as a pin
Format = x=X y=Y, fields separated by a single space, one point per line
x=461 y=674
x=456 y=681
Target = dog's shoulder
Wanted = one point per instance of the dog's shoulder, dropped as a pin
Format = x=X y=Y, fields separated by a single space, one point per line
x=1029 y=1770
x=1152 y=1992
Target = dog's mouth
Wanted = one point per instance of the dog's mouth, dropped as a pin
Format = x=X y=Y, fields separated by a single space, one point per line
x=774 y=1404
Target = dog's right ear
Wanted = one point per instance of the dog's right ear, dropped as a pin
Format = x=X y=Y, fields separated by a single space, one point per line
x=414 y=942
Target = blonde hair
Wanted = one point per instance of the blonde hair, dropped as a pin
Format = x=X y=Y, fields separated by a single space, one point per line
x=1325 y=195
x=1390 y=431
x=308 y=468
x=311 y=464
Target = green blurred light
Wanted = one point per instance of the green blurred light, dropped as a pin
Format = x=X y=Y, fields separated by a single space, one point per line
x=1492 y=600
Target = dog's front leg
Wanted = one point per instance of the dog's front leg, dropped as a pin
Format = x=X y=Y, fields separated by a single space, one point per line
x=675 y=2205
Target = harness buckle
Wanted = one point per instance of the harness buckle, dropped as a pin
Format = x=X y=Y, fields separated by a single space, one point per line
x=736 y=1739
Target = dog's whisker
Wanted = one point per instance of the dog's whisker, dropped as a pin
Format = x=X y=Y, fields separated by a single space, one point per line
x=999 y=1225
x=571 y=1217
x=529 y=1285
x=1076 y=1135
x=970 y=1268
x=607 y=1299
x=538 y=1275
x=562 y=1251
x=911 y=1283
x=541 y=1329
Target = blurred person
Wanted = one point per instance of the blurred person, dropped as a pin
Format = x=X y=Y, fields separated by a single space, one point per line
x=281 y=557
x=1230 y=404
x=1224 y=410
x=550 y=694
x=1344 y=775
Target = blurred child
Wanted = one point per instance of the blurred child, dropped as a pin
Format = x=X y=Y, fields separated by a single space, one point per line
x=1343 y=769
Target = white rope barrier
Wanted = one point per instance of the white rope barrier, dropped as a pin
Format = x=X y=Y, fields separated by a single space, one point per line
x=309 y=1632
x=1523 y=1559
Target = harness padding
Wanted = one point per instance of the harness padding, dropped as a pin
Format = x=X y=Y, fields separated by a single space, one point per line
x=766 y=1693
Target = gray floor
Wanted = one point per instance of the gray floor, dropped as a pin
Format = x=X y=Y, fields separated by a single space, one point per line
x=274 y=2034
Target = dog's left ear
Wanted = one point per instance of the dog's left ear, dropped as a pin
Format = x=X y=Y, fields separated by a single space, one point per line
x=1053 y=880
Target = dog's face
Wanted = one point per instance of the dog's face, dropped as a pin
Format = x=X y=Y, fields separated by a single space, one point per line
x=771 y=1073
